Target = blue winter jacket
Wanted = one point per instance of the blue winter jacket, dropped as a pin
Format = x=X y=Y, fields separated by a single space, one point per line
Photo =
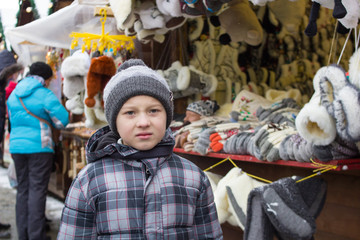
x=28 y=134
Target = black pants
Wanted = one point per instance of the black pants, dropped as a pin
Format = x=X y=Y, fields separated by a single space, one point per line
x=33 y=174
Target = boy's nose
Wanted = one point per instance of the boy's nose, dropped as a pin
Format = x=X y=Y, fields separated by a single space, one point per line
x=143 y=120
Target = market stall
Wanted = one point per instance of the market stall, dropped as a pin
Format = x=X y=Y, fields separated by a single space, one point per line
x=284 y=110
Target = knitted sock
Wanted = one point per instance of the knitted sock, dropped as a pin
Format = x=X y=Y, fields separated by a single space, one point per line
x=338 y=149
x=294 y=147
x=284 y=115
x=284 y=149
x=203 y=143
x=218 y=139
x=259 y=136
x=242 y=143
x=263 y=113
x=270 y=146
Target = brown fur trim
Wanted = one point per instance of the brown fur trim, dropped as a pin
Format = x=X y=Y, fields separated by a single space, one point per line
x=101 y=70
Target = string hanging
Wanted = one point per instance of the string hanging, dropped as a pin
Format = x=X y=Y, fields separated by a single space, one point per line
x=321 y=169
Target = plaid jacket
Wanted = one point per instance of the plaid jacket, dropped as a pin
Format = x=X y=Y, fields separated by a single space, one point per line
x=118 y=197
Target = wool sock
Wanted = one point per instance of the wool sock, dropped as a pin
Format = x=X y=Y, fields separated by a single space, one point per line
x=338 y=149
x=203 y=143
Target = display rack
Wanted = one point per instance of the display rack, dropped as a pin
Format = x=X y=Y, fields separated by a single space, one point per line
x=342 y=165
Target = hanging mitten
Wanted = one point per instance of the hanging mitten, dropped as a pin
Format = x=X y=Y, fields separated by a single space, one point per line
x=195 y=81
x=339 y=9
x=240 y=24
x=171 y=76
x=311 y=28
x=123 y=13
x=150 y=16
x=100 y=71
x=289 y=14
x=169 y=7
x=352 y=13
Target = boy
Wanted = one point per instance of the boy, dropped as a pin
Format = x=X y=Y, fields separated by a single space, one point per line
x=133 y=186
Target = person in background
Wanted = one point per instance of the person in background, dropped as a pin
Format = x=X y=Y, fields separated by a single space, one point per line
x=134 y=186
x=9 y=69
x=198 y=109
x=32 y=147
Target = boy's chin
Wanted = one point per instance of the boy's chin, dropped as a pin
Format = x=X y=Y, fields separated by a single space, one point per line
x=144 y=147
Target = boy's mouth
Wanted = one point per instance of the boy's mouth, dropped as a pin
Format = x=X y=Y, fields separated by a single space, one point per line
x=144 y=135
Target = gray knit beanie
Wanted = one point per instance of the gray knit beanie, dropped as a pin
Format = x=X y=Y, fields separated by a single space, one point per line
x=134 y=78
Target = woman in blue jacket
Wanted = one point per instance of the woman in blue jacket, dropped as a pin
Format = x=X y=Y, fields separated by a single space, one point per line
x=32 y=147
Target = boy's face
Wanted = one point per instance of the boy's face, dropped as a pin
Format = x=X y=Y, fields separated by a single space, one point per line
x=141 y=122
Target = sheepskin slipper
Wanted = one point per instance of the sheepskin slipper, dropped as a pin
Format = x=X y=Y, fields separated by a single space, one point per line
x=315 y=124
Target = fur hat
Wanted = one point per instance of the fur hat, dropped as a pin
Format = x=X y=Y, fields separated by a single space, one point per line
x=203 y=108
x=41 y=69
x=74 y=70
x=101 y=70
x=135 y=78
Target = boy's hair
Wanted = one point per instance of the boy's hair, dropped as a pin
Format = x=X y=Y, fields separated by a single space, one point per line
x=132 y=79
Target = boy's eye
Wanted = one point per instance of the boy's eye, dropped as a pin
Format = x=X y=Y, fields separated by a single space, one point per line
x=154 y=110
x=129 y=113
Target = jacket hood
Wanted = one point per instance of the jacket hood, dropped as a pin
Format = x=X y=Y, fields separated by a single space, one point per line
x=27 y=86
x=103 y=143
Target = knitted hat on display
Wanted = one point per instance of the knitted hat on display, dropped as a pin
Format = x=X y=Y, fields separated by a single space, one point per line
x=135 y=78
x=203 y=108
x=41 y=69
